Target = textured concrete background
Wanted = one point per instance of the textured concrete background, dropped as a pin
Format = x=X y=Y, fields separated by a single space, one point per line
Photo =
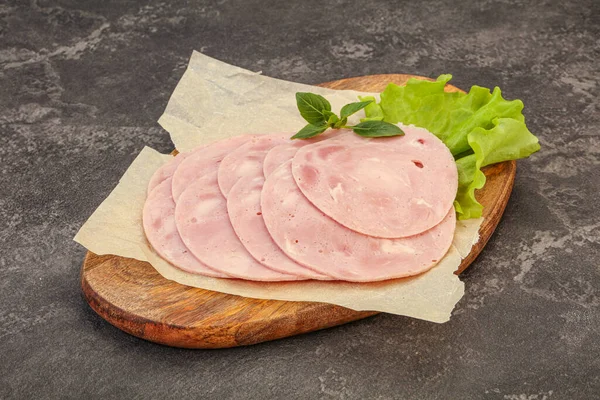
x=82 y=84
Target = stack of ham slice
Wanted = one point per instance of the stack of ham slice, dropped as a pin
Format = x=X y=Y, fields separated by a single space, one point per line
x=336 y=207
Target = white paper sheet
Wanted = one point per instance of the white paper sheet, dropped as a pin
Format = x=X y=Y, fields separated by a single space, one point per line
x=213 y=101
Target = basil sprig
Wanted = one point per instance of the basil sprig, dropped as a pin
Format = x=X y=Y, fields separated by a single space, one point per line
x=316 y=110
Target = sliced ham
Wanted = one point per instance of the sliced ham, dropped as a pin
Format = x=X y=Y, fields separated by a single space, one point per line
x=247 y=160
x=243 y=206
x=313 y=239
x=385 y=187
x=159 y=226
x=280 y=154
x=202 y=161
x=203 y=223
x=284 y=152
x=166 y=171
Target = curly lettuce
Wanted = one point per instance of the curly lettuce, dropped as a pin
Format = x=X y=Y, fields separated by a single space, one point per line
x=480 y=128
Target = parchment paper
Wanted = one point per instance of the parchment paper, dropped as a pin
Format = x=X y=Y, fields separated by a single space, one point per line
x=207 y=105
x=215 y=100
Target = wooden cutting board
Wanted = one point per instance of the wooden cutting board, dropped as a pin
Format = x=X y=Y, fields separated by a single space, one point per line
x=132 y=296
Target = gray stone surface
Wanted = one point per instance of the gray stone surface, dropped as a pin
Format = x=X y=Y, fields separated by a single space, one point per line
x=82 y=84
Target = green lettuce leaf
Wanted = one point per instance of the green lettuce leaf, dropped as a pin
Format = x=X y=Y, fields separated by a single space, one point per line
x=480 y=128
x=465 y=203
x=373 y=110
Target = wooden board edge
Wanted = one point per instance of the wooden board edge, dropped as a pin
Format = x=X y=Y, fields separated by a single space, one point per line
x=247 y=333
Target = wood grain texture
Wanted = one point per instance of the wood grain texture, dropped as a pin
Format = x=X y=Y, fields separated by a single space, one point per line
x=132 y=296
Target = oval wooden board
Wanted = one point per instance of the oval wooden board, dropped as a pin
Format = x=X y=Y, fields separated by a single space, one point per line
x=132 y=296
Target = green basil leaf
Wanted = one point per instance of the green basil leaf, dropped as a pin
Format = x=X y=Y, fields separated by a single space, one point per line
x=310 y=130
x=351 y=108
x=312 y=107
x=340 y=123
x=333 y=119
x=327 y=114
x=377 y=129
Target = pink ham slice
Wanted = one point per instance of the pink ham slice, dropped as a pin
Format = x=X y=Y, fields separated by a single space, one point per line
x=284 y=152
x=159 y=226
x=243 y=207
x=203 y=223
x=247 y=160
x=203 y=160
x=312 y=239
x=385 y=187
x=166 y=171
x=280 y=154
